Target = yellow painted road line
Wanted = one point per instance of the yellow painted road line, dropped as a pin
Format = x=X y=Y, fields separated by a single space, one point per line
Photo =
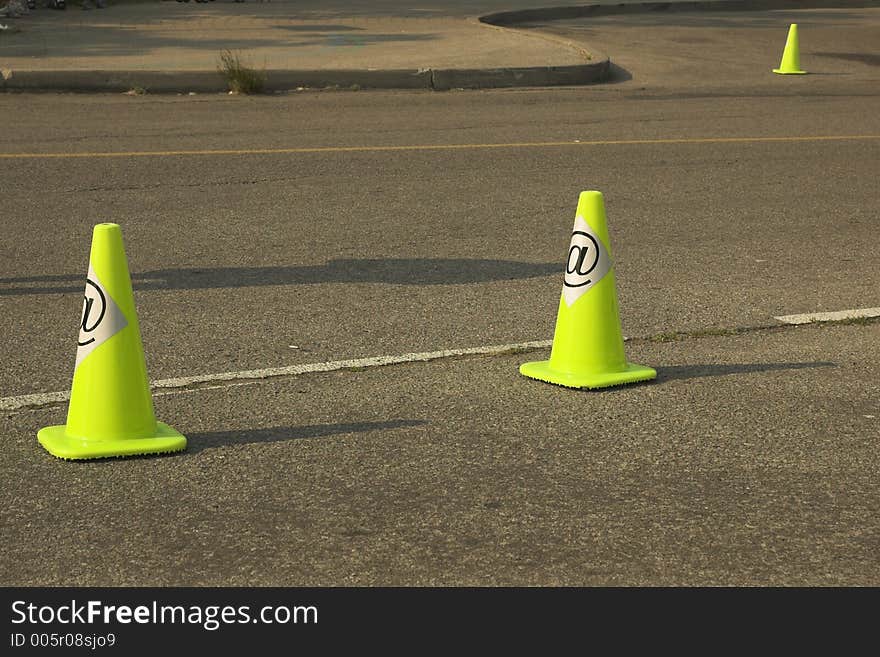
x=441 y=147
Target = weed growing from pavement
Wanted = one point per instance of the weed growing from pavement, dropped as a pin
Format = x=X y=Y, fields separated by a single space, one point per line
x=674 y=336
x=240 y=78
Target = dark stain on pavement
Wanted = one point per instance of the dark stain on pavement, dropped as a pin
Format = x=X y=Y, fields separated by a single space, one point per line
x=680 y=372
x=871 y=59
x=319 y=27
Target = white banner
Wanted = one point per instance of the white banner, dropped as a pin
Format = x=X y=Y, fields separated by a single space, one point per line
x=588 y=262
x=101 y=318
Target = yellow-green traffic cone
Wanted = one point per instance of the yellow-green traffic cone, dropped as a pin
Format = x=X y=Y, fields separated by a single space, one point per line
x=588 y=344
x=791 y=57
x=111 y=409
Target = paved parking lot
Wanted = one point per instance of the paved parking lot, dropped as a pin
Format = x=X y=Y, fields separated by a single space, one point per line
x=304 y=229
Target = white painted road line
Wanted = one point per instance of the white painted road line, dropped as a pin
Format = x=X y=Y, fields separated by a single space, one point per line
x=186 y=383
x=809 y=318
x=39 y=399
x=180 y=384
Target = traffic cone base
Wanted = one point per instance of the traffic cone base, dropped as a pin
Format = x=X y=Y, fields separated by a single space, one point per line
x=542 y=371
x=782 y=72
x=58 y=443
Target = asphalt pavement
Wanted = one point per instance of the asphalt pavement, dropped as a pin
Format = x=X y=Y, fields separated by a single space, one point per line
x=169 y=46
x=750 y=462
x=163 y=46
x=726 y=51
x=339 y=249
x=314 y=227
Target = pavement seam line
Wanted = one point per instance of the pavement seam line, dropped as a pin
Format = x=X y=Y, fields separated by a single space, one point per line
x=442 y=147
x=245 y=377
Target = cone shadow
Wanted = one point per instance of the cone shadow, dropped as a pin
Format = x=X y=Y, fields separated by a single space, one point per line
x=617 y=74
x=871 y=59
x=211 y=439
x=394 y=271
x=683 y=372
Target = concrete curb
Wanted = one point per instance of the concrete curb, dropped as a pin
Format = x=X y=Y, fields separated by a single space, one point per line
x=92 y=81
x=207 y=81
x=535 y=76
x=284 y=80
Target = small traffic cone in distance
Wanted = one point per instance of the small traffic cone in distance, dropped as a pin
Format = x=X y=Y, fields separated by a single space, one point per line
x=111 y=409
x=587 y=347
x=791 y=56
